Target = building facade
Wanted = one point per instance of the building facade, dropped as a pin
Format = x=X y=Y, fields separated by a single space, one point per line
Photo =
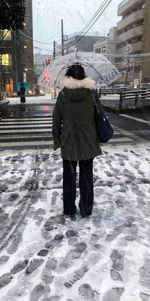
x=40 y=63
x=16 y=54
x=84 y=44
x=133 y=37
x=107 y=46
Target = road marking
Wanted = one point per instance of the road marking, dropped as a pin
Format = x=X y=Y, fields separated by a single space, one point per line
x=134 y=118
x=27 y=143
x=131 y=135
x=28 y=119
x=12 y=131
x=26 y=136
x=25 y=122
x=122 y=139
x=27 y=126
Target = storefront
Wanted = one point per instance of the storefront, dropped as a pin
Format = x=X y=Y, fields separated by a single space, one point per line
x=6 y=73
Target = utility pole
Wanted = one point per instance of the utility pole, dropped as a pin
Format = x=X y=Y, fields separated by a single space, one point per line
x=127 y=71
x=133 y=70
x=62 y=37
x=54 y=49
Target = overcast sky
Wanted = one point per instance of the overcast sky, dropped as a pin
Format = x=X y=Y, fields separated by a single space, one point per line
x=47 y=15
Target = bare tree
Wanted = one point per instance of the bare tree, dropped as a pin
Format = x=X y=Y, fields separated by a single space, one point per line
x=128 y=62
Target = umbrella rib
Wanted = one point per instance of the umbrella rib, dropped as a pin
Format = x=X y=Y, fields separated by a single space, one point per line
x=81 y=64
x=96 y=71
x=89 y=61
x=60 y=71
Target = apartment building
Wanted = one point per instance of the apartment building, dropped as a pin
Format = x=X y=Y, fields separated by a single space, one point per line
x=107 y=45
x=133 y=37
x=16 y=54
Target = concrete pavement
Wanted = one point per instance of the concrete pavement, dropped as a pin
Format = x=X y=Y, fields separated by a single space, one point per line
x=32 y=100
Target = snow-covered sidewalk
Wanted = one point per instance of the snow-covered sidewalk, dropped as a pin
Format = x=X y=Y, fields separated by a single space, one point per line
x=32 y=99
x=46 y=257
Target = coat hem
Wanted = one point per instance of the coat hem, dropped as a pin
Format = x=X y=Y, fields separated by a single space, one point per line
x=80 y=158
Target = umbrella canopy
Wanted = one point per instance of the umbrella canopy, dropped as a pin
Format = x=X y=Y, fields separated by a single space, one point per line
x=96 y=66
x=25 y=85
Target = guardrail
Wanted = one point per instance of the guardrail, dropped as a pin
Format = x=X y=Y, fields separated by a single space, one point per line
x=134 y=95
x=127 y=95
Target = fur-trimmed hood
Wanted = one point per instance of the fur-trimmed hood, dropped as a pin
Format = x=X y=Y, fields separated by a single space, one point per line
x=72 y=83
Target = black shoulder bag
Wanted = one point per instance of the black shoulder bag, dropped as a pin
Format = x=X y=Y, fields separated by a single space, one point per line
x=103 y=127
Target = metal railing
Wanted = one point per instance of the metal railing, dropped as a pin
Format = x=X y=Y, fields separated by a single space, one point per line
x=123 y=3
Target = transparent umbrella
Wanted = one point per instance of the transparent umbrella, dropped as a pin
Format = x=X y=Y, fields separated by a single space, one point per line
x=96 y=66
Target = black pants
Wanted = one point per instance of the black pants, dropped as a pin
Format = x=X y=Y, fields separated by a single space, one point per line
x=22 y=99
x=85 y=185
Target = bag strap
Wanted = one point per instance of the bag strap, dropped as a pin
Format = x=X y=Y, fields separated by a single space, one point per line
x=97 y=102
x=95 y=98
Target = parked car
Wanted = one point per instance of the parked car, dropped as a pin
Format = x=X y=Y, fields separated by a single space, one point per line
x=145 y=85
x=118 y=86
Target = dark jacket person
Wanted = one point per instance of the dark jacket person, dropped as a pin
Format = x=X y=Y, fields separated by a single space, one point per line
x=75 y=133
x=22 y=93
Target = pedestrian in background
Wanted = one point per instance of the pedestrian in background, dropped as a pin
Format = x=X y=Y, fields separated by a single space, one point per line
x=22 y=93
x=75 y=133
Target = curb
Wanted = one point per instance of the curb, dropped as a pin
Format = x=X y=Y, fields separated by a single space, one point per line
x=127 y=110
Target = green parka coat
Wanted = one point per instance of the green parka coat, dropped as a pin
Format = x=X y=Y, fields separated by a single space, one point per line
x=74 y=128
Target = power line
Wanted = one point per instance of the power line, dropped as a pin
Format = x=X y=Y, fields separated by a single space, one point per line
x=84 y=30
x=105 y=5
x=33 y=39
x=36 y=47
x=89 y=25
x=94 y=20
x=36 y=41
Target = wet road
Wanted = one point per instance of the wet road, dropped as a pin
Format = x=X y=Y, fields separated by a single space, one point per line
x=136 y=123
x=30 y=126
x=27 y=110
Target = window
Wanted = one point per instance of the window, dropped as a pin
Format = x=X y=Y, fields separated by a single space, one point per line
x=137 y=39
x=98 y=50
x=5 y=35
x=121 y=45
x=137 y=69
x=130 y=26
x=6 y=59
x=135 y=9
x=118 y=60
x=104 y=49
x=137 y=52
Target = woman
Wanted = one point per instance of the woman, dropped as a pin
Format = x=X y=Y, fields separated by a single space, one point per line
x=22 y=93
x=75 y=133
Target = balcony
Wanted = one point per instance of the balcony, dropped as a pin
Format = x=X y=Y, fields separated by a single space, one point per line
x=127 y=5
x=132 y=33
x=135 y=47
x=123 y=3
x=138 y=15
